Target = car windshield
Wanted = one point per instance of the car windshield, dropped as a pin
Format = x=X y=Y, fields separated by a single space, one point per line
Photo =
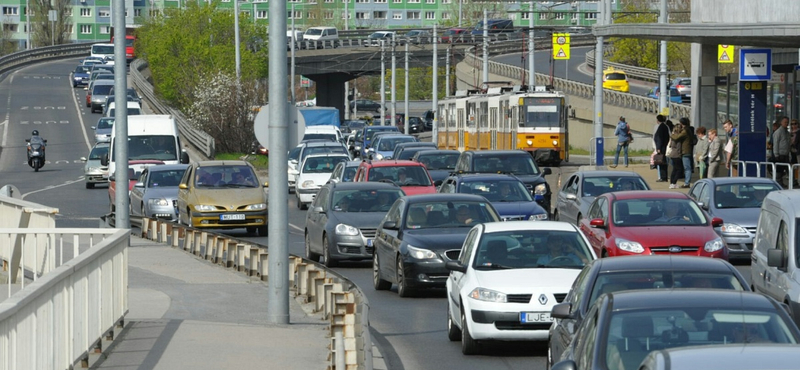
x=615 y=76
x=511 y=163
x=164 y=179
x=388 y=143
x=594 y=186
x=330 y=137
x=653 y=212
x=741 y=195
x=531 y=249
x=446 y=161
x=105 y=123
x=81 y=69
x=313 y=32
x=349 y=173
x=634 y=280
x=655 y=328
x=321 y=164
x=333 y=149
x=232 y=176
x=498 y=191
x=98 y=152
x=358 y=200
x=447 y=214
x=370 y=133
x=401 y=175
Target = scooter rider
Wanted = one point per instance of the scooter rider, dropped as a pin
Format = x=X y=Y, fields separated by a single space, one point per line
x=36 y=139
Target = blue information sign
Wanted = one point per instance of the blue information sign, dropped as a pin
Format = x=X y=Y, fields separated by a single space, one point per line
x=755 y=64
x=752 y=123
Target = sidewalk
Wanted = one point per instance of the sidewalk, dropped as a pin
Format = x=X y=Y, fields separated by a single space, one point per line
x=186 y=313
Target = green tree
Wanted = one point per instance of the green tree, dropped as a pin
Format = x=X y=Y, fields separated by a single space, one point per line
x=185 y=46
x=646 y=53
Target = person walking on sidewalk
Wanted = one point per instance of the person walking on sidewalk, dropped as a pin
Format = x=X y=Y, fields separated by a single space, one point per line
x=781 y=147
x=731 y=147
x=661 y=140
x=715 y=152
x=701 y=152
x=623 y=134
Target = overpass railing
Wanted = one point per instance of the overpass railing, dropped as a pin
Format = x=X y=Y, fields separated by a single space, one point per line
x=342 y=304
x=19 y=254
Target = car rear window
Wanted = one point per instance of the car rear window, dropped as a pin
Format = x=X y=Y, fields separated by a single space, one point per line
x=634 y=280
x=616 y=76
x=101 y=89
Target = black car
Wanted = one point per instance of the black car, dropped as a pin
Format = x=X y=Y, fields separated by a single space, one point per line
x=401 y=150
x=622 y=328
x=342 y=220
x=412 y=241
x=415 y=125
x=608 y=275
x=506 y=192
x=440 y=162
x=427 y=119
x=517 y=162
x=364 y=105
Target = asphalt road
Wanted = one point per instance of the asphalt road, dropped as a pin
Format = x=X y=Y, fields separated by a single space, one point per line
x=409 y=331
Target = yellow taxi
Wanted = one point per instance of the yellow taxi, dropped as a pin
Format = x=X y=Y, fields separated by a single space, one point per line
x=615 y=79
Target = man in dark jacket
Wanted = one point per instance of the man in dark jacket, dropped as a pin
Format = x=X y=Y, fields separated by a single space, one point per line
x=661 y=139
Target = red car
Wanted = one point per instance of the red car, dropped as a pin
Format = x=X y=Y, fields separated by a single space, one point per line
x=455 y=35
x=411 y=176
x=651 y=222
x=134 y=170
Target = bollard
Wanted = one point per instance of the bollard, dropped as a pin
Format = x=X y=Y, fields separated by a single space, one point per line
x=253 y=265
x=319 y=292
x=338 y=355
x=309 y=288
x=329 y=299
x=264 y=267
x=240 y=256
x=144 y=227
x=302 y=275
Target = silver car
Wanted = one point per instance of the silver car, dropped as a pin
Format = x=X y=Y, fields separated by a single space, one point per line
x=102 y=132
x=99 y=90
x=580 y=190
x=155 y=195
x=94 y=172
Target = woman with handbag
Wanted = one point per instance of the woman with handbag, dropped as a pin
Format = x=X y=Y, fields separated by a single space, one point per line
x=661 y=141
x=675 y=153
x=623 y=134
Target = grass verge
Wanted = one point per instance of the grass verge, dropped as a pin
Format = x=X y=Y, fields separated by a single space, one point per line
x=260 y=162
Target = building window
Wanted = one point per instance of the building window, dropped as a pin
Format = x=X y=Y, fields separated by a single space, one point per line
x=29 y=12
x=430 y=15
x=430 y=1
x=86 y=12
x=10 y=27
x=559 y=16
x=328 y=15
x=526 y=16
x=413 y=1
x=136 y=13
x=379 y=1
x=310 y=15
x=10 y=10
x=86 y=29
x=296 y=15
x=362 y=1
x=69 y=29
x=397 y=1
x=379 y=15
x=262 y=14
x=591 y=15
x=362 y=15
x=573 y=16
x=397 y=15
x=328 y=1
x=447 y=1
x=542 y=16
x=412 y=15
x=445 y=16
x=105 y=30
x=105 y=13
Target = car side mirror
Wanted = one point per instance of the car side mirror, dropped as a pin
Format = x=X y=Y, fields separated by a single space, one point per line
x=183 y=186
x=83 y=159
x=702 y=205
x=598 y=223
x=716 y=222
x=45 y=141
x=561 y=311
x=776 y=258
x=390 y=225
x=104 y=160
x=547 y=171
x=571 y=196
x=438 y=183
x=565 y=365
x=317 y=209
x=27 y=140
x=138 y=184
x=266 y=184
x=112 y=178
x=94 y=128
x=184 y=157
x=455 y=266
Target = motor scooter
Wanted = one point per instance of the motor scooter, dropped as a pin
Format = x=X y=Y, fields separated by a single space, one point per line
x=36 y=153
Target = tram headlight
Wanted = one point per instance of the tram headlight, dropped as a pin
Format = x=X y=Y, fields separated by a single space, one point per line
x=555 y=142
x=530 y=142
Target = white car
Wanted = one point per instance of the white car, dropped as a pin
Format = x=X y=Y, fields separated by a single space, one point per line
x=313 y=173
x=508 y=277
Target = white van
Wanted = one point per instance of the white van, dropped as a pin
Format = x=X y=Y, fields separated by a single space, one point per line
x=102 y=51
x=326 y=35
x=325 y=132
x=150 y=136
x=775 y=262
x=134 y=109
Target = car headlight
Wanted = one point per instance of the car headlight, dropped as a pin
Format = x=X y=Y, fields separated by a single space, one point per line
x=256 y=207
x=487 y=295
x=159 y=202
x=342 y=229
x=420 y=254
x=379 y=156
x=540 y=189
x=93 y=169
x=629 y=246
x=732 y=229
x=714 y=245
x=539 y=217
x=204 y=208
x=307 y=184
x=293 y=171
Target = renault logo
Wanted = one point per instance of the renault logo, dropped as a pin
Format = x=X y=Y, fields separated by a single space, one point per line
x=543 y=299
x=675 y=249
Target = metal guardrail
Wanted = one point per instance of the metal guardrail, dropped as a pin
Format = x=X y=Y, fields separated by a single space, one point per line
x=198 y=138
x=21 y=58
x=337 y=298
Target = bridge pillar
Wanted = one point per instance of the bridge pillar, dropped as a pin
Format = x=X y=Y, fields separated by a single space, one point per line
x=704 y=91
x=330 y=90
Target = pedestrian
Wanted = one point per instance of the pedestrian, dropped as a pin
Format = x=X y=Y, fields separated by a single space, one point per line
x=781 y=147
x=661 y=140
x=623 y=134
x=678 y=164
x=731 y=147
x=682 y=152
x=715 y=152
x=771 y=141
x=701 y=152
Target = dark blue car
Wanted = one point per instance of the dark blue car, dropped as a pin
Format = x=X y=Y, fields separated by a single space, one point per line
x=674 y=95
x=80 y=76
x=507 y=193
x=364 y=140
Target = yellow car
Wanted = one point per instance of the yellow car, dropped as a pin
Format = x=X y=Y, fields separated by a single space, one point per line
x=222 y=195
x=614 y=79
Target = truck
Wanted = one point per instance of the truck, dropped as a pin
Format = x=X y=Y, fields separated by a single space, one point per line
x=300 y=118
x=130 y=41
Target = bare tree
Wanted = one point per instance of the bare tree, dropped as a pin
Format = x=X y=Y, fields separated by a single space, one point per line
x=7 y=45
x=44 y=32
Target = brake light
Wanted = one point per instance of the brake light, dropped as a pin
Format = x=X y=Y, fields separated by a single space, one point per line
x=679 y=86
x=779 y=106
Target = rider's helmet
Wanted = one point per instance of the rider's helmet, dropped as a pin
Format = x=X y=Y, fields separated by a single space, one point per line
x=35 y=133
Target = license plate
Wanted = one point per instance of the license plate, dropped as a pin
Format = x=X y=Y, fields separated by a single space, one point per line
x=534 y=317
x=237 y=216
x=369 y=242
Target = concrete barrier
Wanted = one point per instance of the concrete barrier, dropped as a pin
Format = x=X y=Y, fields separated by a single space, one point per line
x=338 y=299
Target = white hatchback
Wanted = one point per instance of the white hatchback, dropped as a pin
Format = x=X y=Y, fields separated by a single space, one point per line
x=314 y=172
x=507 y=278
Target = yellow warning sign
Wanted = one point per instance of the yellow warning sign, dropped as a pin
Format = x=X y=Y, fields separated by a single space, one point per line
x=725 y=54
x=561 y=46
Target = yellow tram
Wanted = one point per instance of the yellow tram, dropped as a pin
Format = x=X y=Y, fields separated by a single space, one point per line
x=505 y=118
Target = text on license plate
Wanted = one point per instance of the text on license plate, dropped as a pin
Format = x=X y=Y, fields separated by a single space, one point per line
x=531 y=317
x=236 y=216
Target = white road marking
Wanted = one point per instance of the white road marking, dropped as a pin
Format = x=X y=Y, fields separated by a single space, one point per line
x=8 y=112
x=80 y=116
x=52 y=187
x=297 y=228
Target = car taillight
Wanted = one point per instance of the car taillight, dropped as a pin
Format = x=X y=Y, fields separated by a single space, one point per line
x=779 y=106
x=679 y=87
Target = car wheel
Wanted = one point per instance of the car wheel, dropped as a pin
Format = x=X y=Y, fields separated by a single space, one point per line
x=402 y=285
x=468 y=345
x=377 y=282
x=326 y=253
x=298 y=202
x=90 y=185
x=578 y=220
x=555 y=215
x=263 y=230
x=251 y=230
x=309 y=254
x=453 y=332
